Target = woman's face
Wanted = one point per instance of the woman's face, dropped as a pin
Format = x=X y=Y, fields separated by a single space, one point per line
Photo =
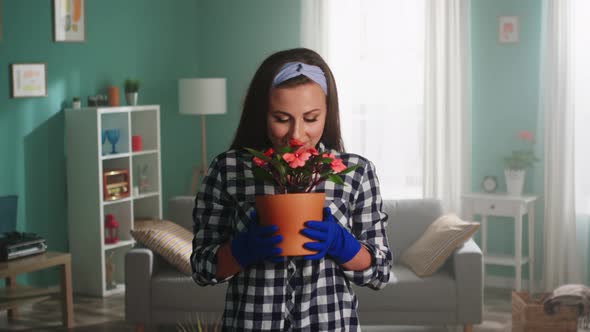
x=297 y=112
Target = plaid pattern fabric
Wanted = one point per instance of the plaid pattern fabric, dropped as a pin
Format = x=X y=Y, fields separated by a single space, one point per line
x=296 y=295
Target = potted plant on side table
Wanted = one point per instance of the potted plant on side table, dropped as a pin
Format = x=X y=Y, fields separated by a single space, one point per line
x=517 y=163
x=295 y=171
x=131 y=91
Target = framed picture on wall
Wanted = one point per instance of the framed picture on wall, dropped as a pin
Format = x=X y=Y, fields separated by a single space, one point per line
x=508 y=29
x=69 y=20
x=29 y=80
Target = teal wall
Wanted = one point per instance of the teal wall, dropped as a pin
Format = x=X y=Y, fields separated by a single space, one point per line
x=234 y=38
x=151 y=40
x=155 y=41
x=505 y=94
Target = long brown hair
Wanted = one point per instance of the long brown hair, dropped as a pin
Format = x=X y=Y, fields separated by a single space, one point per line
x=252 y=130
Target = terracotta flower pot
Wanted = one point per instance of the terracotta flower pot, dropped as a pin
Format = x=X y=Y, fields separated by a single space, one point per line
x=290 y=212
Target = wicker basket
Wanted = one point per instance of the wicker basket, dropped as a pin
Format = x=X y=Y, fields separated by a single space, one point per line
x=528 y=315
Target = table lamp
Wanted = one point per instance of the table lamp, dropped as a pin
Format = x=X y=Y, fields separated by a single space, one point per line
x=201 y=96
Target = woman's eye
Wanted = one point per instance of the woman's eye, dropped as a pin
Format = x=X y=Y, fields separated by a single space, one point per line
x=311 y=120
x=281 y=120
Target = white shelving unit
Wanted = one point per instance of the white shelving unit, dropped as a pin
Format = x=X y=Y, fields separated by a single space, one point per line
x=86 y=160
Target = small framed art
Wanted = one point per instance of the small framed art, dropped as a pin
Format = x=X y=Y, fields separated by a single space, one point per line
x=69 y=20
x=508 y=29
x=29 y=80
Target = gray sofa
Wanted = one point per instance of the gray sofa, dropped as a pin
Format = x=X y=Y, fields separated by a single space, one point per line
x=156 y=293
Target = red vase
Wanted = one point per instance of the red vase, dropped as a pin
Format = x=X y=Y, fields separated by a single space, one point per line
x=290 y=212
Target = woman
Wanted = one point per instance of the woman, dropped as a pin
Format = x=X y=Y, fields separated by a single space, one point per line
x=292 y=96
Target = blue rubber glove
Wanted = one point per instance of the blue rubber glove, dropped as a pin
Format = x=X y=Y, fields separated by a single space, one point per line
x=256 y=244
x=333 y=239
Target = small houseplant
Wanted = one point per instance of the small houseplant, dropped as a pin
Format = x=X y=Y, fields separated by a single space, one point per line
x=518 y=162
x=76 y=103
x=295 y=171
x=131 y=91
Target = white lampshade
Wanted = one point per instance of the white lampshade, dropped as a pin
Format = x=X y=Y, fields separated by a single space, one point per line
x=202 y=95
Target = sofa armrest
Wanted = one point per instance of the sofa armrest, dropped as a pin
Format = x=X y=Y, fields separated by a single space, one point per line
x=468 y=269
x=139 y=269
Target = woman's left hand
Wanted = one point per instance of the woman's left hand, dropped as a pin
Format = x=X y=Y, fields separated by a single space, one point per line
x=333 y=239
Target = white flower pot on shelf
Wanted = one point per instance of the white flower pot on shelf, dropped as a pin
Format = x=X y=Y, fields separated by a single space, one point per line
x=514 y=181
x=131 y=98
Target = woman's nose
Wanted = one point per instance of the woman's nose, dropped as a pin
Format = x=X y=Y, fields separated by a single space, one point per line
x=297 y=131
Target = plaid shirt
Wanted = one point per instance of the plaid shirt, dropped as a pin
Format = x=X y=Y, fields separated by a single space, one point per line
x=296 y=294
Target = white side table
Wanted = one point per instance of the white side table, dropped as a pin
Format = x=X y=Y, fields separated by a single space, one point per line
x=505 y=206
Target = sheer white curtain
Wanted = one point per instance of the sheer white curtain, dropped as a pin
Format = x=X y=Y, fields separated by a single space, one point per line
x=447 y=157
x=378 y=51
x=581 y=60
x=561 y=111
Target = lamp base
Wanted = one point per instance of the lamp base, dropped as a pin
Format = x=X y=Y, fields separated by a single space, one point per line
x=198 y=174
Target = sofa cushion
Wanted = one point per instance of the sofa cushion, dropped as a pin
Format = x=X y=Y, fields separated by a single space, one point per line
x=438 y=242
x=408 y=292
x=169 y=240
x=408 y=219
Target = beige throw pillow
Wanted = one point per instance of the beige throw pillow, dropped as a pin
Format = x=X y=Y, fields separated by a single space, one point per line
x=170 y=240
x=438 y=242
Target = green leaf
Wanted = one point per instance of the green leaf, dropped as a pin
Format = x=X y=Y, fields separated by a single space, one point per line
x=305 y=171
x=259 y=154
x=262 y=174
x=284 y=149
x=326 y=173
x=336 y=179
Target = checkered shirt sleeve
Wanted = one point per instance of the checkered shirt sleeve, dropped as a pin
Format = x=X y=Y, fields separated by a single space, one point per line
x=368 y=226
x=212 y=225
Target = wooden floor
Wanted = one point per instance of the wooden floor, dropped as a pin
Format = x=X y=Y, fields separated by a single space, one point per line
x=108 y=314
x=90 y=314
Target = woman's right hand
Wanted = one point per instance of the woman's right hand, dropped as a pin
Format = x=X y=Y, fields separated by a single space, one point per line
x=256 y=244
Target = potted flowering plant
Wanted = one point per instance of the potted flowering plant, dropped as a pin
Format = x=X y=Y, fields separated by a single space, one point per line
x=295 y=171
x=518 y=161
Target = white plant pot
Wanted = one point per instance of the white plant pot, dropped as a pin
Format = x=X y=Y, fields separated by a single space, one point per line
x=131 y=98
x=514 y=181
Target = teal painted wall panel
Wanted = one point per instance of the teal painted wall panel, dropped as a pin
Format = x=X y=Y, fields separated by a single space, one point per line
x=505 y=100
x=152 y=40
x=234 y=38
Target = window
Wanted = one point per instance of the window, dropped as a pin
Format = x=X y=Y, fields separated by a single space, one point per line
x=376 y=51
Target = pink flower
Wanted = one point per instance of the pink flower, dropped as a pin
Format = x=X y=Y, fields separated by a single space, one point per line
x=328 y=155
x=297 y=168
x=259 y=162
x=337 y=165
x=297 y=158
x=295 y=143
x=525 y=135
